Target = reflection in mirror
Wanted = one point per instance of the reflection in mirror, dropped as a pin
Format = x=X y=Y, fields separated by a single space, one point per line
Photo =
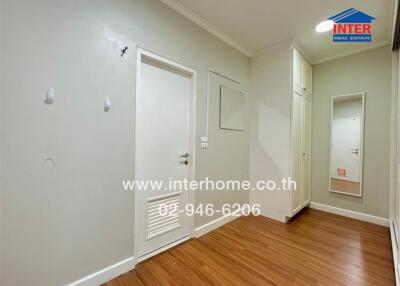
x=347 y=124
x=231 y=109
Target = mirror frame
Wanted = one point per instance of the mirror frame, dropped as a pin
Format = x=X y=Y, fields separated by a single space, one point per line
x=354 y=95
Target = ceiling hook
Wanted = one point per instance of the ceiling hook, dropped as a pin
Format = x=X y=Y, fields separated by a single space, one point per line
x=124 y=51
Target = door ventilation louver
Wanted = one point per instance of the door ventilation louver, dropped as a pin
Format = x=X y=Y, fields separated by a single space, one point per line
x=162 y=215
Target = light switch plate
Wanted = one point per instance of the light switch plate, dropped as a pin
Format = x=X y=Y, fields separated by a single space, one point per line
x=204 y=142
x=204 y=145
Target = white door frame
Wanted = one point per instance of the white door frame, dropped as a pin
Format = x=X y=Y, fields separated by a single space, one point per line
x=140 y=54
x=354 y=95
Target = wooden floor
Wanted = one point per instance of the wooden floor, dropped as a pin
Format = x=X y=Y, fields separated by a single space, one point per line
x=315 y=248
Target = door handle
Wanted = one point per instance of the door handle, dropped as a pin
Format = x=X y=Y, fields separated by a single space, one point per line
x=186 y=161
x=354 y=150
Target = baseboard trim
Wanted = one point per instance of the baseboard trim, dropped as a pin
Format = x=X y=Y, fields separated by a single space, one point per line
x=106 y=274
x=210 y=226
x=162 y=249
x=351 y=214
x=394 y=250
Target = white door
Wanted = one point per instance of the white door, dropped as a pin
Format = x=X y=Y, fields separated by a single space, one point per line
x=162 y=138
x=346 y=149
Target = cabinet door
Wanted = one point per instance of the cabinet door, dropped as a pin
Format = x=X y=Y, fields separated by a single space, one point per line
x=306 y=154
x=307 y=78
x=298 y=71
x=297 y=150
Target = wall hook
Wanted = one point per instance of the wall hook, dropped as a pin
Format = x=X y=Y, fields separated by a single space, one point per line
x=107 y=104
x=49 y=162
x=49 y=96
x=124 y=51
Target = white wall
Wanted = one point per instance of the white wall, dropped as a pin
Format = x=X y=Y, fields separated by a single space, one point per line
x=270 y=128
x=60 y=224
x=369 y=71
x=227 y=157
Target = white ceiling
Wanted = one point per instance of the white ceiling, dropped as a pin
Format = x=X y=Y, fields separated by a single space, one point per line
x=253 y=25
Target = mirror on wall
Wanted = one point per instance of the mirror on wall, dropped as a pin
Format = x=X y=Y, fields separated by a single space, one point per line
x=232 y=107
x=347 y=132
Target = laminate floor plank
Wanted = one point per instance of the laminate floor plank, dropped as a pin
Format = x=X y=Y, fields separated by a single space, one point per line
x=314 y=248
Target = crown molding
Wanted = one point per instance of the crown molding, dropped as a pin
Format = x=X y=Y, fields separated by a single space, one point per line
x=287 y=44
x=206 y=25
x=342 y=55
x=280 y=45
x=312 y=61
x=184 y=11
x=302 y=51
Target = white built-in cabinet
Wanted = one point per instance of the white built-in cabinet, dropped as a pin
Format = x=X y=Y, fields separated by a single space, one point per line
x=281 y=130
x=301 y=132
x=302 y=74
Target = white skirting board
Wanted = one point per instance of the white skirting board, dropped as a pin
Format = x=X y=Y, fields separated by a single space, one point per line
x=201 y=230
x=162 y=249
x=106 y=274
x=395 y=250
x=352 y=214
x=126 y=265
